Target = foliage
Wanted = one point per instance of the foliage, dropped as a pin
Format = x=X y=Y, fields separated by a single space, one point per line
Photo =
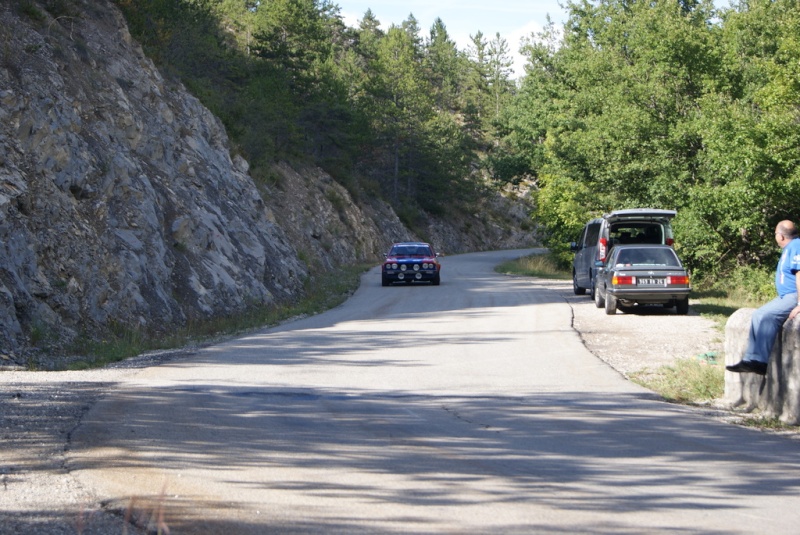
x=29 y=9
x=748 y=286
x=670 y=105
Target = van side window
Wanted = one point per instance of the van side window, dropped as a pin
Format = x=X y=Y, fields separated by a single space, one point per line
x=592 y=234
x=582 y=239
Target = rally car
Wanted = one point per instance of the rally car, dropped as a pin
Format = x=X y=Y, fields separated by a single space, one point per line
x=409 y=262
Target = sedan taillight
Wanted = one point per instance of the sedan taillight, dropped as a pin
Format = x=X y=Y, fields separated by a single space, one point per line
x=617 y=280
x=677 y=279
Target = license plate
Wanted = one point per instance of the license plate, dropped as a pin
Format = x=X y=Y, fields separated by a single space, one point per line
x=651 y=282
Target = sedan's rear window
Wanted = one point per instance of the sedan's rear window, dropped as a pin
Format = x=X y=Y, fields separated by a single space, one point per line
x=647 y=257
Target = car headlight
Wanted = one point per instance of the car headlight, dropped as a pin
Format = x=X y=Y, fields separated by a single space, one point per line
x=394 y=266
x=403 y=267
x=416 y=267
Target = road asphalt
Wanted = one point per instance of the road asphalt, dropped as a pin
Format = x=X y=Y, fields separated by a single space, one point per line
x=469 y=407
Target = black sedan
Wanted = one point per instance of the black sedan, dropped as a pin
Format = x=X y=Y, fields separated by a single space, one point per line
x=411 y=262
x=642 y=275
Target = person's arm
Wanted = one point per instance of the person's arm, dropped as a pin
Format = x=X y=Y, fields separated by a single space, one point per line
x=796 y=310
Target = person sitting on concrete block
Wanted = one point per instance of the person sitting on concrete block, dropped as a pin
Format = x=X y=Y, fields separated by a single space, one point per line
x=769 y=318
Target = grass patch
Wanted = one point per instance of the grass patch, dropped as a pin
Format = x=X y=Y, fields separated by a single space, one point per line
x=536 y=265
x=690 y=381
x=322 y=292
x=765 y=424
x=718 y=306
x=28 y=8
x=118 y=345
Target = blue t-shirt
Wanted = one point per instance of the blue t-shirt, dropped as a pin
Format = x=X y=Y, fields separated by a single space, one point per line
x=788 y=265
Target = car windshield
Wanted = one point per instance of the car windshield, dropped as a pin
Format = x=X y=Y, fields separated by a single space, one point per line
x=411 y=250
x=647 y=257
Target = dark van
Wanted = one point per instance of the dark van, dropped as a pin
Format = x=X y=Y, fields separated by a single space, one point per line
x=636 y=225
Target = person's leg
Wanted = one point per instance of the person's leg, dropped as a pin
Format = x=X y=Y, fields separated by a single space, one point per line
x=765 y=325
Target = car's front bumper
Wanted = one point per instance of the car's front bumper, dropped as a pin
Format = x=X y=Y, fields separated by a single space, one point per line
x=421 y=275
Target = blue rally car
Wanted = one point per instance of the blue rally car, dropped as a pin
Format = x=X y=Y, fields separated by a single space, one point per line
x=411 y=262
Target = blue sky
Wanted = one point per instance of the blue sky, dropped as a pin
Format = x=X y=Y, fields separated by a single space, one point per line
x=514 y=19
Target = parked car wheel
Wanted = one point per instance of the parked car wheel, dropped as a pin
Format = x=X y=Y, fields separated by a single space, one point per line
x=599 y=301
x=611 y=304
x=575 y=288
x=682 y=307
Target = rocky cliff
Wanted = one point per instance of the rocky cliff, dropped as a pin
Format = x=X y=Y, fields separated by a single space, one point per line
x=120 y=202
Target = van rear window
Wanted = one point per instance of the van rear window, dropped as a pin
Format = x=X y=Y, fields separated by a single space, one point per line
x=636 y=233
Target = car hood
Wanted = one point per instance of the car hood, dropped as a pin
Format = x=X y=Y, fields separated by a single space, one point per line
x=405 y=258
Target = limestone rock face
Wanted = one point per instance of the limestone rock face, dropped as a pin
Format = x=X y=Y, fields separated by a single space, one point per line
x=326 y=225
x=119 y=200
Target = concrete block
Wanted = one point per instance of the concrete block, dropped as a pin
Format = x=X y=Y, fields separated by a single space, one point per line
x=790 y=372
x=776 y=394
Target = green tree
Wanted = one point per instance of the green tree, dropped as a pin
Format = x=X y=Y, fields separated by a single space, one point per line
x=399 y=103
x=750 y=163
x=237 y=18
x=477 y=94
x=609 y=116
x=445 y=68
x=499 y=64
x=293 y=36
x=522 y=128
x=369 y=35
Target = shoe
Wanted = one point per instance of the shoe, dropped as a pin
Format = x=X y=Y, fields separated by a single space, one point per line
x=748 y=366
x=757 y=367
x=739 y=367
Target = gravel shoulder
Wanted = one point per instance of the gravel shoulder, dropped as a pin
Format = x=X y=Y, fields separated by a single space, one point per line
x=39 y=411
x=645 y=340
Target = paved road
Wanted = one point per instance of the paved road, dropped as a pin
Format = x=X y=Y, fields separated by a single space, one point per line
x=471 y=407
